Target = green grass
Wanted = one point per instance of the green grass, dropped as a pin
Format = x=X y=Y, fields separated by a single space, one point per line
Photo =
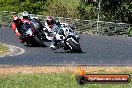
x=50 y=80
x=3 y=49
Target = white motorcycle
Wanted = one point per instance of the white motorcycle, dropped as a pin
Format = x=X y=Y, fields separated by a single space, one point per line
x=67 y=39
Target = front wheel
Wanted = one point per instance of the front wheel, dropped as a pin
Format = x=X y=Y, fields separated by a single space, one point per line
x=73 y=45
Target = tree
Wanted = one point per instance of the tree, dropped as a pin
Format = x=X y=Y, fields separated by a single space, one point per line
x=116 y=10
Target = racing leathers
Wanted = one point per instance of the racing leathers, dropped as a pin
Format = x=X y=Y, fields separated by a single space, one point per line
x=50 y=33
x=17 y=28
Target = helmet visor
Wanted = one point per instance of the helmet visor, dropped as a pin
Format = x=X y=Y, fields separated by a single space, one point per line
x=25 y=17
x=50 y=22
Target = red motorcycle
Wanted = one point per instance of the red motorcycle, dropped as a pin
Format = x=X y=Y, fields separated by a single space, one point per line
x=30 y=35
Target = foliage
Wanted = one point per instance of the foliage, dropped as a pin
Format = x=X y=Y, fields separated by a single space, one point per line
x=87 y=10
x=111 y=10
x=117 y=10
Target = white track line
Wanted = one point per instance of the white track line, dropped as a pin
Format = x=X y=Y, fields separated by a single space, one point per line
x=21 y=51
x=12 y=51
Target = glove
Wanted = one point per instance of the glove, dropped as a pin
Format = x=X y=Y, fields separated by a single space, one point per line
x=17 y=33
x=45 y=30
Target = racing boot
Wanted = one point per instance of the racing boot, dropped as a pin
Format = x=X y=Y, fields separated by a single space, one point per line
x=53 y=47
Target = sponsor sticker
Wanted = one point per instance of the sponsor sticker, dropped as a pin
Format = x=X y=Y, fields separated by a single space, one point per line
x=103 y=78
x=83 y=78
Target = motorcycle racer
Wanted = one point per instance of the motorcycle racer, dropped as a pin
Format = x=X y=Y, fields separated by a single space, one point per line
x=51 y=27
x=25 y=15
x=16 y=23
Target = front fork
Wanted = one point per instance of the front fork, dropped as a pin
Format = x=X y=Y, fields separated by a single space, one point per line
x=61 y=44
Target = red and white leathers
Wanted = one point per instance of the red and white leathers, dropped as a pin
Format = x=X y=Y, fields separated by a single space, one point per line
x=15 y=23
x=16 y=26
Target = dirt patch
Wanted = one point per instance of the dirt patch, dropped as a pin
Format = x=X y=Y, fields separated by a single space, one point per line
x=55 y=69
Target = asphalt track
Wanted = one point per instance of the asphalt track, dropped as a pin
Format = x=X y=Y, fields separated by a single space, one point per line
x=97 y=50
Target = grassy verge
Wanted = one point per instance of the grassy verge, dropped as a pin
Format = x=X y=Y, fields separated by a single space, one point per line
x=55 y=77
x=3 y=49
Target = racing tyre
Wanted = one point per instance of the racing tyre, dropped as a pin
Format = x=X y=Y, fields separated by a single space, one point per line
x=39 y=41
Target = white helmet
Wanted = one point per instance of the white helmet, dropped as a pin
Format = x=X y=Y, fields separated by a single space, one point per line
x=25 y=15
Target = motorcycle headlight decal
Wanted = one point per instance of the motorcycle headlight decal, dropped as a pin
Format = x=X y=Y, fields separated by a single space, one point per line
x=29 y=31
x=66 y=32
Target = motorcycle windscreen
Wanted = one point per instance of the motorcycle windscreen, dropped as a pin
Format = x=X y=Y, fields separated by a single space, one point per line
x=61 y=32
x=25 y=27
